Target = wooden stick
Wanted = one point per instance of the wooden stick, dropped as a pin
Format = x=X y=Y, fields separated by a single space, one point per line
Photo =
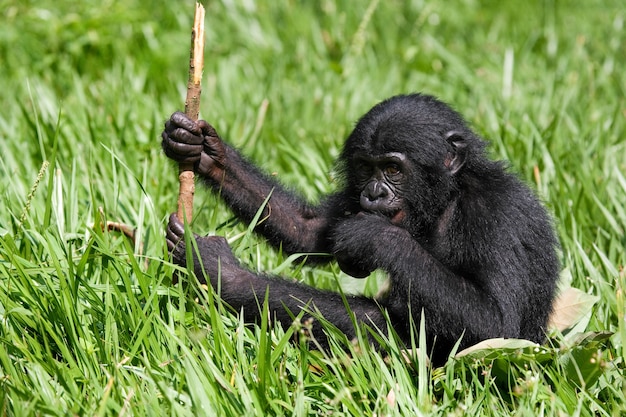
x=192 y=109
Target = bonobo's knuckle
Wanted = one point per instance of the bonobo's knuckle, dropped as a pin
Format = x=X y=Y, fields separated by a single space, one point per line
x=179 y=118
x=183 y=121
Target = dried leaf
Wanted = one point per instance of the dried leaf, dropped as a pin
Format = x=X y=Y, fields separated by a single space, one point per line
x=570 y=307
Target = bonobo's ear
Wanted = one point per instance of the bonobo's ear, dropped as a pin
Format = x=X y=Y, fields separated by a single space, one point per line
x=456 y=159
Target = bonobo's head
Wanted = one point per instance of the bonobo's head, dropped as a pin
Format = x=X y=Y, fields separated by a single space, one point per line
x=404 y=157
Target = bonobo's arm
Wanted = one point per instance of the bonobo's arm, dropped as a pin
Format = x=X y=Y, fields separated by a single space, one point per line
x=287 y=220
x=479 y=307
x=243 y=289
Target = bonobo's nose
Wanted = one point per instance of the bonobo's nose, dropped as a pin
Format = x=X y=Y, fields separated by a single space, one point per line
x=374 y=190
x=374 y=196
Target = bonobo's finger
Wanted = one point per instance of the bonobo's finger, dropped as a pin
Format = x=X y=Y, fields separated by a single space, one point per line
x=175 y=133
x=171 y=246
x=207 y=129
x=181 y=152
x=172 y=243
x=176 y=225
x=180 y=119
x=174 y=232
x=172 y=240
x=215 y=145
x=185 y=136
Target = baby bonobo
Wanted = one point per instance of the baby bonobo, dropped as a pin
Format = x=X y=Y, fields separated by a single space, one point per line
x=462 y=239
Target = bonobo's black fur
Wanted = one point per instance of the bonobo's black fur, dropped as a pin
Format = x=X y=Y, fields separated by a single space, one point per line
x=461 y=239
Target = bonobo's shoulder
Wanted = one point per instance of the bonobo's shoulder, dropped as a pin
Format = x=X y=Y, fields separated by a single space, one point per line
x=498 y=192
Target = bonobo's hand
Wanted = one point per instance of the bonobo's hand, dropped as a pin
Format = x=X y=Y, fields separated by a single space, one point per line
x=196 y=143
x=217 y=257
x=358 y=240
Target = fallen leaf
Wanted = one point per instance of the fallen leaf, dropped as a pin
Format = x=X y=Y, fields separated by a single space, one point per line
x=570 y=307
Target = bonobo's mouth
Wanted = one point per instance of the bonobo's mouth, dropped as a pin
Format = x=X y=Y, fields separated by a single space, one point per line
x=396 y=217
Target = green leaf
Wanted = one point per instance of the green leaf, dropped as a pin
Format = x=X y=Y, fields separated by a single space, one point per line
x=585 y=363
x=487 y=348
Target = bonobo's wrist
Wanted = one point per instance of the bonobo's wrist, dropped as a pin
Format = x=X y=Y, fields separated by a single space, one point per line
x=208 y=167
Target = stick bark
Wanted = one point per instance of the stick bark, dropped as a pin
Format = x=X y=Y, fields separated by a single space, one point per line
x=192 y=109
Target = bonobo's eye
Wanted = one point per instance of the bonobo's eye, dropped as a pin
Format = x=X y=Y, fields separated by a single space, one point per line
x=392 y=169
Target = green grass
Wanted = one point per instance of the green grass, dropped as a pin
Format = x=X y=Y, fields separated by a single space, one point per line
x=89 y=323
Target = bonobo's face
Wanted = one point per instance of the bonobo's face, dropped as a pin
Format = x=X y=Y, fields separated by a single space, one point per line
x=402 y=158
x=381 y=182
